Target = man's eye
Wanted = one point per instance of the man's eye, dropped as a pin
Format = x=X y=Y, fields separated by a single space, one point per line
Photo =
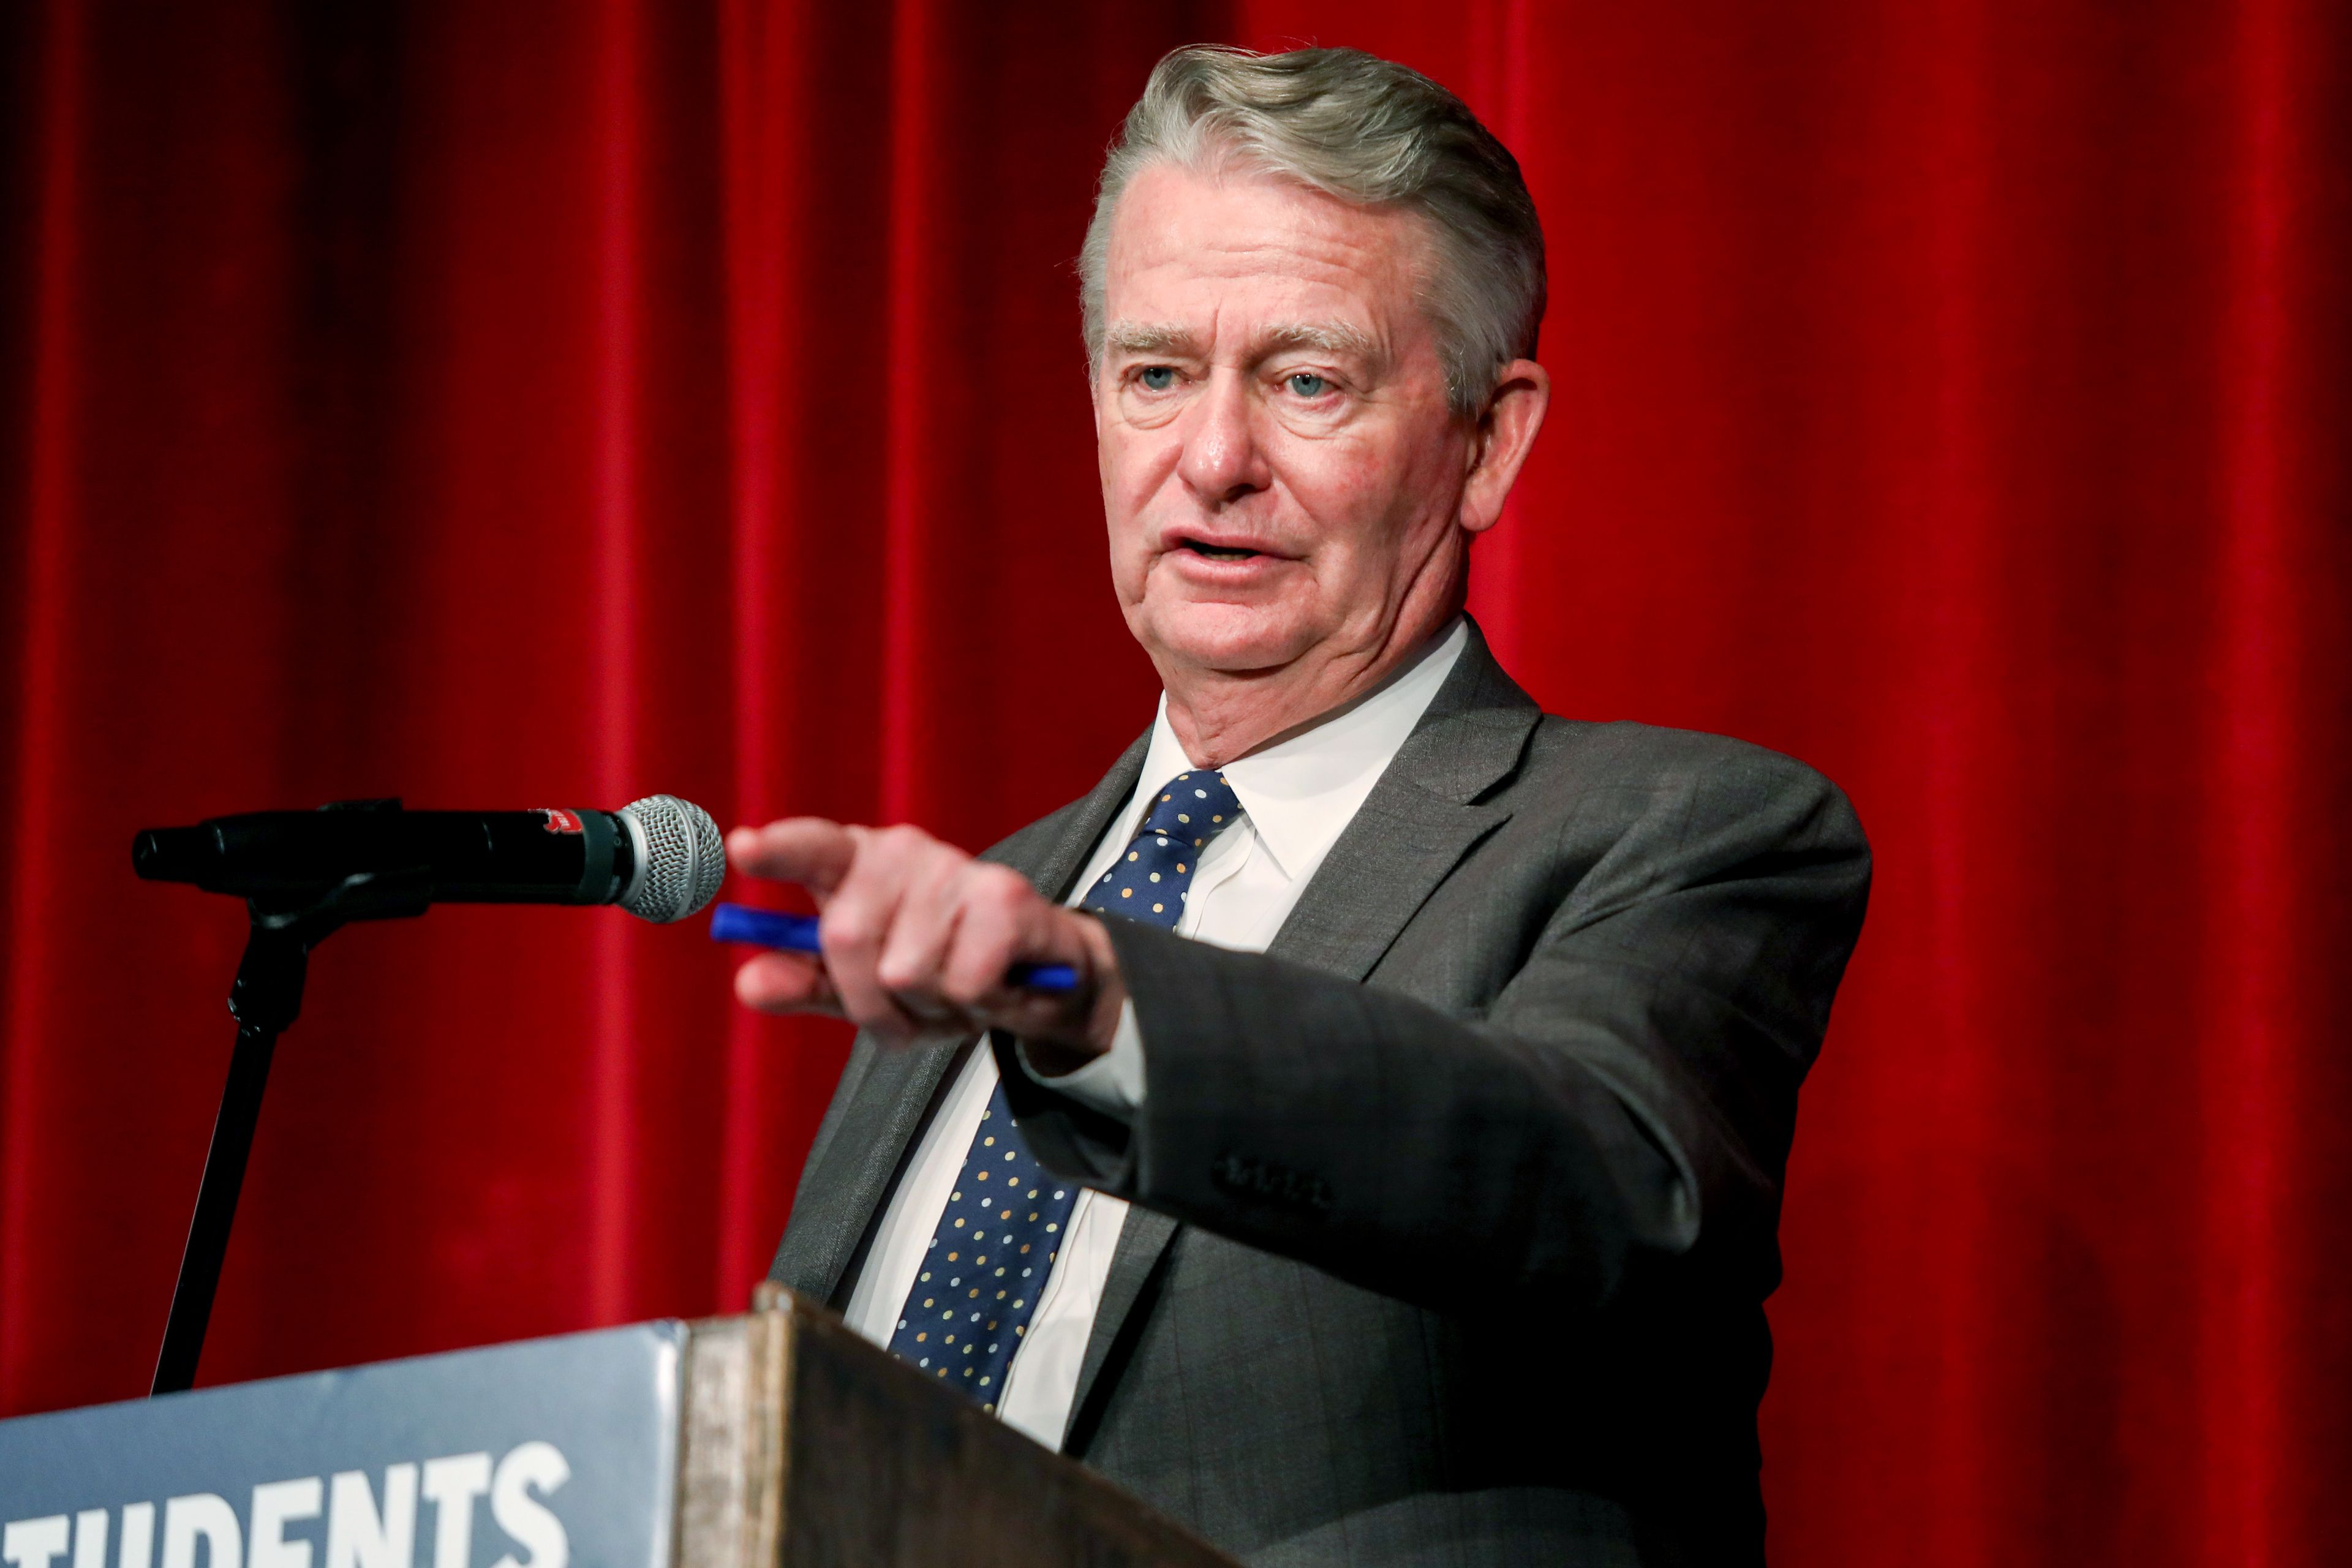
x=1306 y=383
x=1157 y=377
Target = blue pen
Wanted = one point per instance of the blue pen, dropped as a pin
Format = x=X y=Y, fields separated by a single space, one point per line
x=797 y=933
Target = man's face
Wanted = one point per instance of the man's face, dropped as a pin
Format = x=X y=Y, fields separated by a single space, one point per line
x=1281 y=474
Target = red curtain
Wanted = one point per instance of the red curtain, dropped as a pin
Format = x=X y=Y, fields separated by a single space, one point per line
x=541 y=403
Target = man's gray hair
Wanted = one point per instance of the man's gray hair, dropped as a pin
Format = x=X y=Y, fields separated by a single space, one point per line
x=1366 y=131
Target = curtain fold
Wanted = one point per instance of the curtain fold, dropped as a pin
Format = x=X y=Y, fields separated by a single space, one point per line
x=528 y=403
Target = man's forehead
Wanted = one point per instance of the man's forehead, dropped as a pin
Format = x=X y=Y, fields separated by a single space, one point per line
x=1182 y=232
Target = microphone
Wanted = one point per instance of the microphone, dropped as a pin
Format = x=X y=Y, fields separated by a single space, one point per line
x=661 y=859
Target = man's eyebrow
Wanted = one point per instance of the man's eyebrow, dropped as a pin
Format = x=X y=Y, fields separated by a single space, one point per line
x=1325 y=337
x=1150 y=337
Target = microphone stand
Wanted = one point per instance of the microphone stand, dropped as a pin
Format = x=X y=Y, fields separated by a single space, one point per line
x=265 y=999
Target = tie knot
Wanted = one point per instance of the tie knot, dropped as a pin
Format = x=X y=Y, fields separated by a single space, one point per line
x=1193 y=807
x=1152 y=876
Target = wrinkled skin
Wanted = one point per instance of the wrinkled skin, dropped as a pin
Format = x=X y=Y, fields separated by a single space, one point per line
x=1290 y=504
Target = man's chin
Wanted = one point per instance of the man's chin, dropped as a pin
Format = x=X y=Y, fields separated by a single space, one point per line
x=1229 y=640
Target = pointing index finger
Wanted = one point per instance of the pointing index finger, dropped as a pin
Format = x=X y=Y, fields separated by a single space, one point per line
x=809 y=850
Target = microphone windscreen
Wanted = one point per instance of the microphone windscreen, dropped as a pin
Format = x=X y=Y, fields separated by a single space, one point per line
x=681 y=859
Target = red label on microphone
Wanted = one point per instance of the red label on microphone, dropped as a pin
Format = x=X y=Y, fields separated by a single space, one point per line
x=562 y=821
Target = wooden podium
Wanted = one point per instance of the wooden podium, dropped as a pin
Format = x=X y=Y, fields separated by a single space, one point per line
x=778 y=1439
x=805 y=1445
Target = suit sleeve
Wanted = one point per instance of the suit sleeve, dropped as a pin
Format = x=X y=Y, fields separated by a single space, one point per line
x=1626 y=1102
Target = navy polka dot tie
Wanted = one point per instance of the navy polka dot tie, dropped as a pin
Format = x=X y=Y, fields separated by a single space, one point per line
x=1148 y=882
x=1007 y=1216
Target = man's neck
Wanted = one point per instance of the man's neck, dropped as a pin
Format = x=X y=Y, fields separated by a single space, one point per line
x=1220 y=717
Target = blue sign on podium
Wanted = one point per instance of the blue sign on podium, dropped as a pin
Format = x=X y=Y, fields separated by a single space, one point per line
x=536 y=1455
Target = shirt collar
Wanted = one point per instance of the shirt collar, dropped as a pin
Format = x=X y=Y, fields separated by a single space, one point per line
x=1301 y=794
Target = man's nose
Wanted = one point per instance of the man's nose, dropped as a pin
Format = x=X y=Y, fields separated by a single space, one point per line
x=1222 y=459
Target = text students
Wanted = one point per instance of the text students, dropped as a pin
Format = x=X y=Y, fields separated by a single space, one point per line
x=1401 y=1183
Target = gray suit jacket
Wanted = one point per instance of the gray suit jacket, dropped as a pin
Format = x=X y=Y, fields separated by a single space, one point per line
x=1457 y=1208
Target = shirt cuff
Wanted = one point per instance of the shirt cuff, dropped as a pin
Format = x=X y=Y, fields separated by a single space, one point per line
x=1113 y=1082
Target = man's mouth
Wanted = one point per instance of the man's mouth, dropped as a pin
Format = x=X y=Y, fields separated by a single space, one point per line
x=1220 y=552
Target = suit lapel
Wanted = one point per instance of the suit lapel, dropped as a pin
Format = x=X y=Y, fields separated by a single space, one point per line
x=890 y=1099
x=838 y=1195
x=1415 y=827
x=1064 y=840
x=1425 y=813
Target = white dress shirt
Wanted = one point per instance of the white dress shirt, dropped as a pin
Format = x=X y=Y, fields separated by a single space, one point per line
x=1298 y=797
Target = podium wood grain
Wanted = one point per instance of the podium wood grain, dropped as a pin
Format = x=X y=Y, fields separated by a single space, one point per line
x=804 y=1446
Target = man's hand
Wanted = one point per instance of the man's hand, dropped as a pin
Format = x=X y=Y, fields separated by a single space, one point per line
x=918 y=936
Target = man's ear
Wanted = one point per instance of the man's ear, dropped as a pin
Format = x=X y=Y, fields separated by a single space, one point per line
x=1506 y=433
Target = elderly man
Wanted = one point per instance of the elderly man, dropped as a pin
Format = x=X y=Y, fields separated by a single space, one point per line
x=1400 y=1182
